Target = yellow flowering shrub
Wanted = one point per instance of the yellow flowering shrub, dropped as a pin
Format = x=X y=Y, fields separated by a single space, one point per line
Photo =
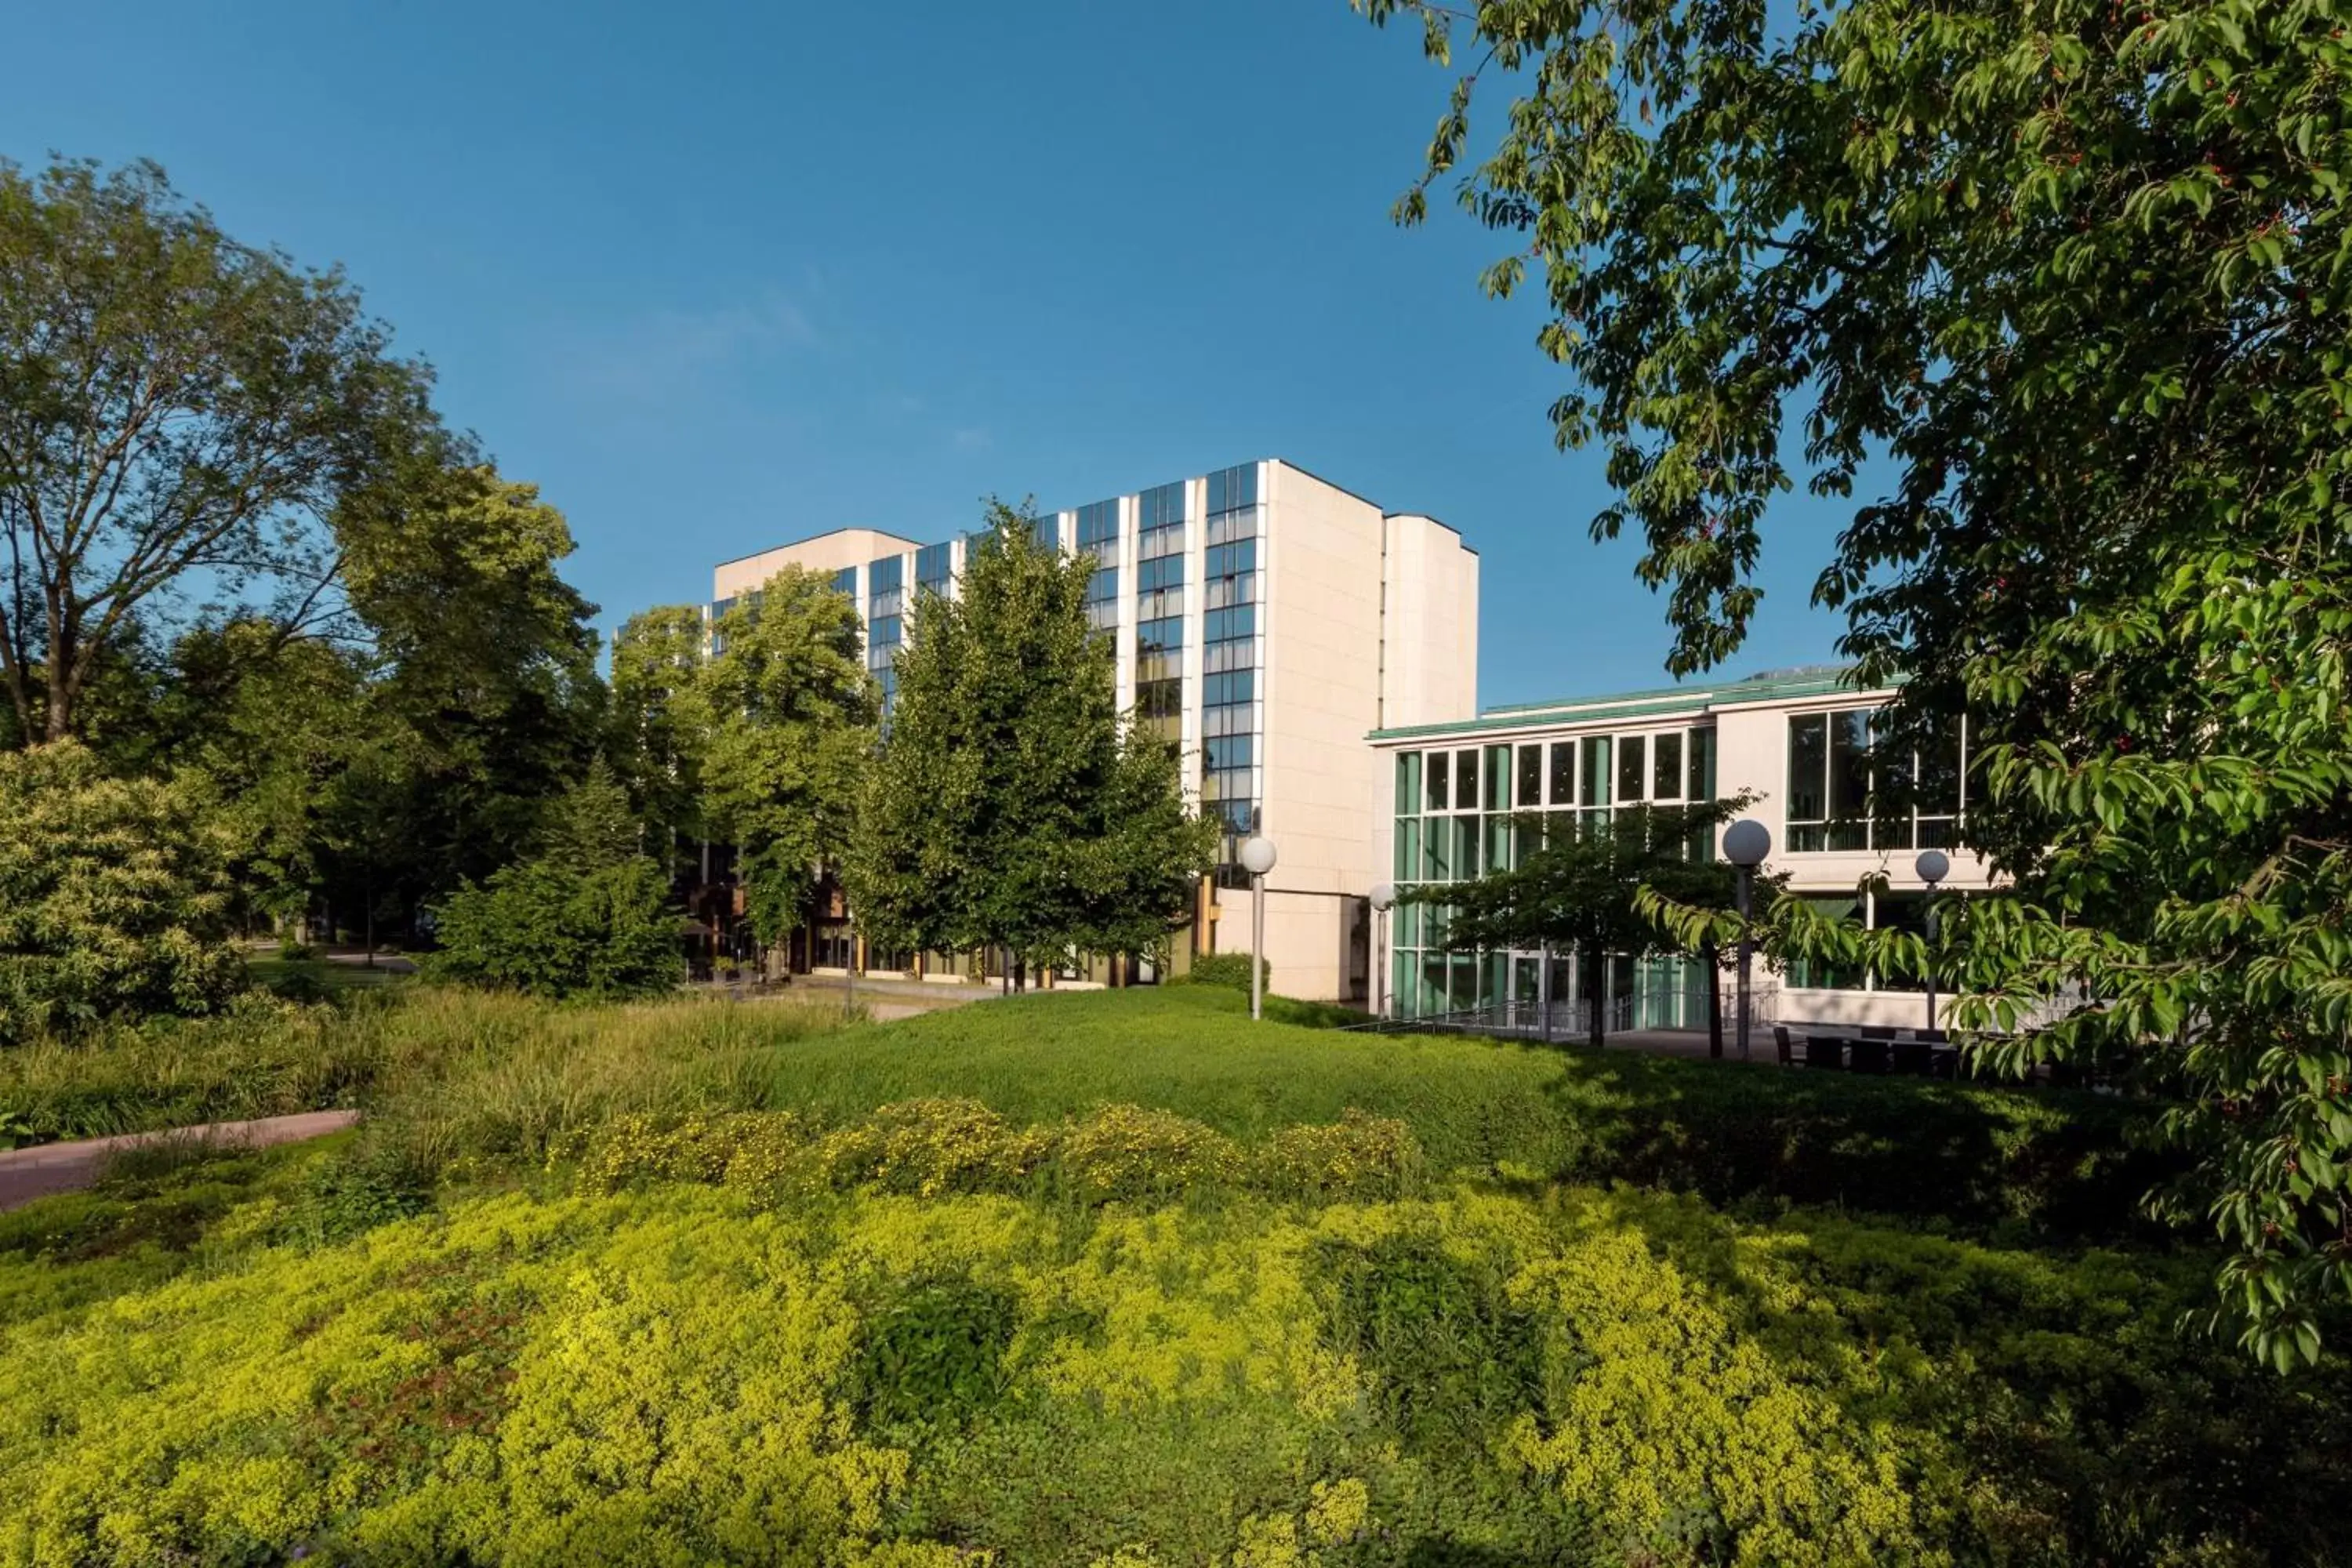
x=1130 y=1152
x=933 y=1146
x=1357 y=1156
x=703 y=1148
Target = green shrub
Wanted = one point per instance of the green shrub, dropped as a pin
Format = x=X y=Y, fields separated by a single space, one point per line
x=294 y=950
x=1231 y=970
x=113 y=896
x=549 y=927
x=933 y=1355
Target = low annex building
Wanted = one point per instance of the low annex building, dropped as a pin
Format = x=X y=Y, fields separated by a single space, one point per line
x=1461 y=792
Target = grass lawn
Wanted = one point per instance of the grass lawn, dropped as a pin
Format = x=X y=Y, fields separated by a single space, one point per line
x=1114 y=1279
x=1965 y=1152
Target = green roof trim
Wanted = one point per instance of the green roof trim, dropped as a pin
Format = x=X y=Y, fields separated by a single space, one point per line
x=1774 y=686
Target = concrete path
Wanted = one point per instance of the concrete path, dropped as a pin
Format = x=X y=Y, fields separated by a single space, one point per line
x=48 y=1168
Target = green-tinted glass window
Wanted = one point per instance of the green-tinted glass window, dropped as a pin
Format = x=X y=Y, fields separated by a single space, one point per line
x=1498 y=778
x=1465 y=846
x=1440 y=776
x=1702 y=765
x=1408 y=926
x=1632 y=784
x=1530 y=793
x=1408 y=849
x=1596 y=771
x=1466 y=780
x=1665 y=766
x=1563 y=774
x=1498 y=843
x=1408 y=781
x=1437 y=854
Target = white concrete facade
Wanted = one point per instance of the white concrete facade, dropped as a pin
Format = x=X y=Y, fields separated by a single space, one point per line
x=1309 y=618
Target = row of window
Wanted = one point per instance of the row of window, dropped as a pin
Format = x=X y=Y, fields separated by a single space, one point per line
x=1589 y=771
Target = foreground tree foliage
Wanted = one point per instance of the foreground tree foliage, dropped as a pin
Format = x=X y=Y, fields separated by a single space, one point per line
x=178 y=412
x=113 y=895
x=2074 y=269
x=1012 y=806
x=589 y=916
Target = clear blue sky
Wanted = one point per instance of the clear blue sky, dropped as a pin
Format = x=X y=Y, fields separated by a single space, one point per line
x=716 y=277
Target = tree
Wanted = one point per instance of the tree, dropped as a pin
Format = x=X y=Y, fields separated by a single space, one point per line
x=178 y=412
x=589 y=916
x=1012 y=805
x=1581 y=889
x=786 y=712
x=660 y=722
x=485 y=703
x=113 y=895
x=2074 y=271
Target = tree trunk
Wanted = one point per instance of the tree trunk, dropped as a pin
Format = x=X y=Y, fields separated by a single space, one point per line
x=1597 y=983
x=1709 y=956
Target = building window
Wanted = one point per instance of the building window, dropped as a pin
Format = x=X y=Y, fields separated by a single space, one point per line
x=1629 y=781
x=1665 y=767
x=1408 y=781
x=1702 y=766
x=1230 y=658
x=1596 y=771
x=1098 y=538
x=1466 y=780
x=1837 y=802
x=935 y=568
x=1563 y=773
x=1531 y=777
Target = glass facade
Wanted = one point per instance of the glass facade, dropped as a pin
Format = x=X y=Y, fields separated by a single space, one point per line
x=1159 y=611
x=1098 y=537
x=885 y=609
x=935 y=568
x=1841 y=798
x=1233 y=660
x=1464 y=810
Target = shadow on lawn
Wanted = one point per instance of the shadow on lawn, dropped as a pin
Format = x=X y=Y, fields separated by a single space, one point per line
x=2059 y=1162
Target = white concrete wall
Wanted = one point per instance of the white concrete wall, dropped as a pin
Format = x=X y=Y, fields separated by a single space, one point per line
x=1429 y=650
x=1322 y=578
x=826 y=552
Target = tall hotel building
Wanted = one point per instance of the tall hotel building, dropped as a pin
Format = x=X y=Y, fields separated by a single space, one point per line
x=1268 y=621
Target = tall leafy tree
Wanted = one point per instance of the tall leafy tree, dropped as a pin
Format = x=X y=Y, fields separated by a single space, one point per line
x=784 y=716
x=1582 y=889
x=661 y=723
x=485 y=704
x=2075 y=271
x=1013 y=805
x=178 y=414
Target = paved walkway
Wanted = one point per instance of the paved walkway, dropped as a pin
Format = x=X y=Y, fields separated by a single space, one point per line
x=48 y=1168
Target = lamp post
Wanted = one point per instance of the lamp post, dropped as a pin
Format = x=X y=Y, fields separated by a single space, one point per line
x=1258 y=859
x=1745 y=845
x=1383 y=899
x=1932 y=867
